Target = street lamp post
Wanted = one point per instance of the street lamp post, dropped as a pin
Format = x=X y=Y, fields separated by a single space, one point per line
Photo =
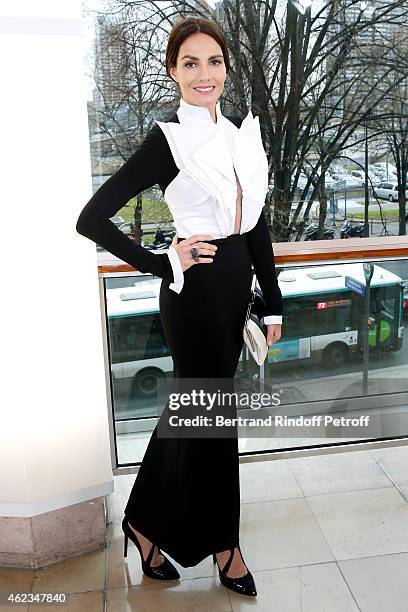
x=345 y=200
x=366 y=192
x=367 y=9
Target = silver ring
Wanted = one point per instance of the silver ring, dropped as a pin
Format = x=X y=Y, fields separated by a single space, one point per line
x=194 y=254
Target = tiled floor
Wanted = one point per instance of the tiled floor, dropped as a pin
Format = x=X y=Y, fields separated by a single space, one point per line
x=320 y=534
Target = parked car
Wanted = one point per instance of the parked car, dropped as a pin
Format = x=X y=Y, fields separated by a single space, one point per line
x=385 y=167
x=389 y=177
x=372 y=178
x=127 y=228
x=117 y=220
x=330 y=183
x=374 y=170
x=346 y=180
x=388 y=191
x=336 y=167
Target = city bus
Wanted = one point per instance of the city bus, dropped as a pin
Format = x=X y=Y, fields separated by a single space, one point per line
x=138 y=349
x=322 y=323
x=323 y=318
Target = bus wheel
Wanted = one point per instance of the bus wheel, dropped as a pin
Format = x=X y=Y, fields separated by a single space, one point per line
x=335 y=355
x=144 y=384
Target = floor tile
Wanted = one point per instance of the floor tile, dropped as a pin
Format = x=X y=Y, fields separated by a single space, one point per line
x=395 y=461
x=363 y=523
x=308 y=588
x=200 y=595
x=16 y=580
x=76 y=575
x=378 y=583
x=281 y=533
x=91 y=601
x=13 y=607
x=267 y=480
x=338 y=472
x=125 y=572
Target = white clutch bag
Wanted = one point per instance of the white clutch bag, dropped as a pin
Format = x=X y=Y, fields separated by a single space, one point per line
x=254 y=331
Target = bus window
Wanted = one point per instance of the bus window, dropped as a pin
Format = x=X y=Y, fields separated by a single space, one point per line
x=156 y=344
x=332 y=314
x=296 y=313
x=113 y=325
x=137 y=337
x=316 y=315
x=388 y=308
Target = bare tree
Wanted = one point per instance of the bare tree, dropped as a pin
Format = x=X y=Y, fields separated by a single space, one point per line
x=394 y=125
x=301 y=72
x=129 y=92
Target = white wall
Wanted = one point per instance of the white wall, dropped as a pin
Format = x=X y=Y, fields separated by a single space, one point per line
x=54 y=440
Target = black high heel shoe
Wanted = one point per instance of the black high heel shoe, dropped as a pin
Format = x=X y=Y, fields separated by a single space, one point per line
x=165 y=571
x=244 y=585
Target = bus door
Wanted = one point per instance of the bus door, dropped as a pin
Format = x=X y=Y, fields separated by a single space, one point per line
x=295 y=342
x=384 y=320
x=114 y=346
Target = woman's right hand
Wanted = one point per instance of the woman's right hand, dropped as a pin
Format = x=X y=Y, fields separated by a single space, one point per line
x=184 y=247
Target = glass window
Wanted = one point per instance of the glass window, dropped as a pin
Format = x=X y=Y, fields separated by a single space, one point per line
x=137 y=337
x=317 y=315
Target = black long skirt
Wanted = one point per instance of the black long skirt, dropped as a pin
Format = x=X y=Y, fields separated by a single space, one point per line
x=186 y=496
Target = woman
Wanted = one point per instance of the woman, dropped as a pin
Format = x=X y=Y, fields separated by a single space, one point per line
x=214 y=176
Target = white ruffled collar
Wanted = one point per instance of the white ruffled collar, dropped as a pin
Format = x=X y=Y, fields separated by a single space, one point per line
x=211 y=153
x=191 y=114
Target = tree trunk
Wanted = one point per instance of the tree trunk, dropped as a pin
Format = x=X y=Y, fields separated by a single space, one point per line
x=138 y=219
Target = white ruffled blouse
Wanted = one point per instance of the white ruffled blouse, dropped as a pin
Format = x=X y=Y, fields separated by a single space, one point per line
x=203 y=196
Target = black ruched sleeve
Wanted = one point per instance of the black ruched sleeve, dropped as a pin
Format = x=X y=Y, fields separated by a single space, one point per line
x=263 y=259
x=151 y=164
